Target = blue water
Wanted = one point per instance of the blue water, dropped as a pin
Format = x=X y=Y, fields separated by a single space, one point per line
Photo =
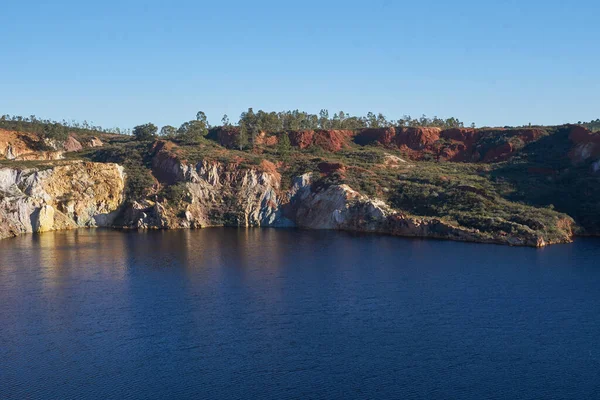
x=287 y=314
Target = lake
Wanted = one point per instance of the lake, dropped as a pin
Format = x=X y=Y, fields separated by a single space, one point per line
x=223 y=313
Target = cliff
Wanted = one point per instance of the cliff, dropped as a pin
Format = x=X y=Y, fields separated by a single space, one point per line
x=70 y=195
x=345 y=180
x=235 y=193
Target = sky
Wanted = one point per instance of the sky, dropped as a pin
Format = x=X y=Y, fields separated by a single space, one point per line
x=124 y=63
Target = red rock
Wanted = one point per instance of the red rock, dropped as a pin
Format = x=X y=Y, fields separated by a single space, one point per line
x=227 y=136
x=165 y=163
x=460 y=134
x=417 y=138
x=579 y=134
x=529 y=135
x=368 y=136
x=263 y=139
x=301 y=139
x=268 y=166
x=332 y=140
x=271 y=140
x=457 y=152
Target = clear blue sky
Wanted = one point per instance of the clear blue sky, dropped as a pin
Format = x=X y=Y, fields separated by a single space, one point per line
x=121 y=63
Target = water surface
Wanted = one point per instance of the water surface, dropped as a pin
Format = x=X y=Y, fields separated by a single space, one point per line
x=264 y=313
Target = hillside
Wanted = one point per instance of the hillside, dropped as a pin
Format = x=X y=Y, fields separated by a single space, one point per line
x=520 y=186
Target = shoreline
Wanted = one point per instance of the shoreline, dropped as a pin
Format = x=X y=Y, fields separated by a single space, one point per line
x=126 y=229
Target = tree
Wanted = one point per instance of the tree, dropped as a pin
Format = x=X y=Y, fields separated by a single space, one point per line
x=248 y=128
x=225 y=120
x=242 y=138
x=200 y=116
x=284 y=147
x=382 y=121
x=324 y=122
x=55 y=131
x=144 y=132
x=192 y=131
x=168 y=131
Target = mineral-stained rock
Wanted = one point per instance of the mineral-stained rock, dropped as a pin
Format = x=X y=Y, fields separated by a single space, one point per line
x=341 y=207
x=72 y=144
x=384 y=136
x=227 y=136
x=416 y=138
x=223 y=193
x=25 y=147
x=43 y=220
x=465 y=135
x=263 y=139
x=586 y=145
x=214 y=193
x=301 y=139
x=60 y=197
x=95 y=142
x=330 y=140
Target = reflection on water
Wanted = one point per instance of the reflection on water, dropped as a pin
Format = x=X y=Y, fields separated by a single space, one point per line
x=251 y=313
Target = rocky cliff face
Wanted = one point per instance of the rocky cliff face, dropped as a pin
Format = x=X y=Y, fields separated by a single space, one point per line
x=24 y=146
x=214 y=193
x=71 y=195
x=342 y=208
x=586 y=146
x=231 y=194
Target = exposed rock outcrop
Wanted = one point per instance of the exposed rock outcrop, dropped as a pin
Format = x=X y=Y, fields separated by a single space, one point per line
x=414 y=138
x=268 y=140
x=331 y=140
x=417 y=138
x=213 y=193
x=72 y=144
x=340 y=207
x=227 y=136
x=221 y=193
x=22 y=146
x=456 y=144
x=586 y=145
x=65 y=196
x=94 y=142
x=301 y=139
x=384 y=136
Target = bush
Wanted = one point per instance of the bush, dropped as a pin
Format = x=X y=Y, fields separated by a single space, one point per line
x=139 y=183
x=176 y=193
x=145 y=132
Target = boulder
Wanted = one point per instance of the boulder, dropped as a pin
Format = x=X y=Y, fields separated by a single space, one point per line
x=72 y=144
x=95 y=142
